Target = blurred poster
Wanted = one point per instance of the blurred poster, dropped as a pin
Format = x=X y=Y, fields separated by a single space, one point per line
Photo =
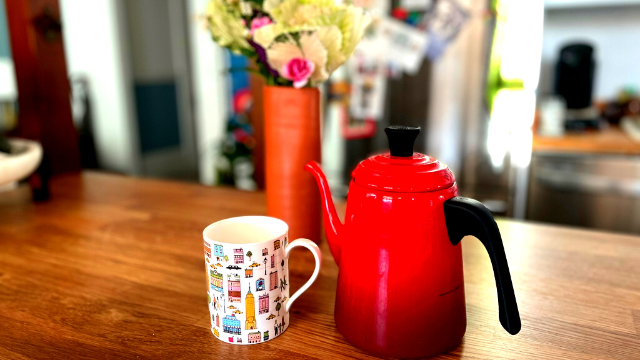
x=368 y=76
x=368 y=84
x=443 y=23
x=416 y=5
x=404 y=44
x=377 y=8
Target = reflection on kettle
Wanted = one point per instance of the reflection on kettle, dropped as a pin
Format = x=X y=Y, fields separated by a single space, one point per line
x=400 y=289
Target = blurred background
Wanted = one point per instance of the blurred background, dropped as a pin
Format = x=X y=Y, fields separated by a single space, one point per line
x=534 y=105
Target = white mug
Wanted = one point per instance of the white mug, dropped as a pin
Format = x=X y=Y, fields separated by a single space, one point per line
x=247 y=262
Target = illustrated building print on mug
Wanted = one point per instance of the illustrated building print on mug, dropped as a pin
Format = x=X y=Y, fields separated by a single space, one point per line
x=273 y=280
x=238 y=256
x=231 y=325
x=216 y=280
x=266 y=311
x=250 y=304
x=260 y=284
x=218 y=252
x=254 y=337
x=264 y=303
x=234 y=288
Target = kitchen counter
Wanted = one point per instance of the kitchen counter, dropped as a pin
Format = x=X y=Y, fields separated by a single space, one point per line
x=113 y=267
x=611 y=141
x=585 y=179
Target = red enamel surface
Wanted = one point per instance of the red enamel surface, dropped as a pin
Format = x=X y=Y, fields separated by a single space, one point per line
x=400 y=289
x=398 y=174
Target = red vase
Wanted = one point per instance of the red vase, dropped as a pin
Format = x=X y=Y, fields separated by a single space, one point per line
x=292 y=138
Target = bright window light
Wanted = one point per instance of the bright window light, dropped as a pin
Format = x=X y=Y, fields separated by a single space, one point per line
x=510 y=125
x=522 y=42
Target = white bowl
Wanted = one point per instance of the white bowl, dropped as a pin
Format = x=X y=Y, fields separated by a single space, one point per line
x=24 y=159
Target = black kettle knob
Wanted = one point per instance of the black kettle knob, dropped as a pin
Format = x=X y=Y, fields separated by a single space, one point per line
x=401 y=139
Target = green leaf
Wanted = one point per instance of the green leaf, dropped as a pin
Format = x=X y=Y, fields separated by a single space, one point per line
x=226 y=26
x=248 y=53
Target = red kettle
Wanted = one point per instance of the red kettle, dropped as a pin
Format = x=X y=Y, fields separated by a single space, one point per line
x=400 y=289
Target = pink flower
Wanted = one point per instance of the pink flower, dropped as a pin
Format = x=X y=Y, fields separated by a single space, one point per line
x=299 y=71
x=259 y=22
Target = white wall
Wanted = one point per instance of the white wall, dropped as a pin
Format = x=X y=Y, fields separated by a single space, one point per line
x=96 y=47
x=8 y=87
x=614 y=31
x=208 y=64
x=149 y=29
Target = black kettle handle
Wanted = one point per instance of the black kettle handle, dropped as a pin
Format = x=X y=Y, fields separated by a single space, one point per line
x=469 y=217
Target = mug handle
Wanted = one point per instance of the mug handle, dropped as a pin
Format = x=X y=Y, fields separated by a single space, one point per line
x=317 y=254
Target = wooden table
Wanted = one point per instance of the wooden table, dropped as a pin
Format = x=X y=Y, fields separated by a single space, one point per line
x=112 y=268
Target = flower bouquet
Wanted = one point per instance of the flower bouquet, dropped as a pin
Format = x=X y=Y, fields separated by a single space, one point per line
x=296 y=45
x=293 y=42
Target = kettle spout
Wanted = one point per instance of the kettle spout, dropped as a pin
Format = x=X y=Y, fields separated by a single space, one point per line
x=332 y=224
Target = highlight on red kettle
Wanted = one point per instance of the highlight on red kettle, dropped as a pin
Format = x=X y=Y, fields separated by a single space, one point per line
x=400 y=290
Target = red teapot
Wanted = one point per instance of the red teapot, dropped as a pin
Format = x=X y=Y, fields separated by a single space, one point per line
x=400 y=289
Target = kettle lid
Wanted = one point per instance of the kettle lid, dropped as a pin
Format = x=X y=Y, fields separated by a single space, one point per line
x=402 y=170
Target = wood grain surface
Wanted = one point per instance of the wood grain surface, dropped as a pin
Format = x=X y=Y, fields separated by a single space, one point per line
x=112 y=268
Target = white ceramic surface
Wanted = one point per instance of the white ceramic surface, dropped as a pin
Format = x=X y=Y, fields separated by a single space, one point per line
x=24 y=159
x=247 y=261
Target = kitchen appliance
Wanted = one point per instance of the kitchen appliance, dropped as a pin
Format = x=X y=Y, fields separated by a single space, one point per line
x=400 y=288
x=575 y=75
